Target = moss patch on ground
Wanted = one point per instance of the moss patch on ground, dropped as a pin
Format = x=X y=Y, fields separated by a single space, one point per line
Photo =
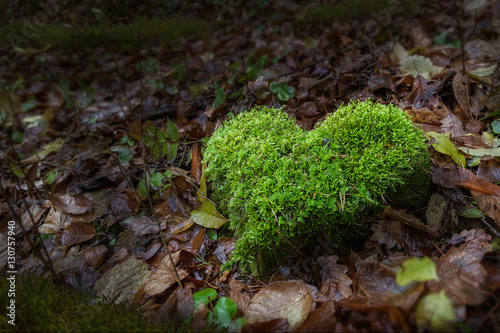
x=41 y=306
x=282 y=185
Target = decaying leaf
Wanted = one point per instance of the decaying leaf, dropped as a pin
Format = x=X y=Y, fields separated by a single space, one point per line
x=123 y=280
x=96 y=256
x=460 y=271
x=289 y=300
x=77 y=232
x=164 y=276
x=416 y=65
x=334 y=281
x=321 y=319
x=461 y=88
x=71 y=203
x=145 y=226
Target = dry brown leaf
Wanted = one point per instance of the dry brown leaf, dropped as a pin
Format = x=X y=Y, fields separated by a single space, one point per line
x=489 y=204
x=274 y=325
x=407 y=218
x=240 y=294
x=96 y=256
x=164 y=276
x=422 y=94
x=460 y=271
x=461 y=88
x=489 y=169
x=288 y=300
x=123 y=280
x=334 y=281
x=382 y=80
x=451 y=124
x=178 y=306
x=71 y=203
x=145 y=226
x=124 y=204
x=388 y=233
x=75 y=233
x=321 y=319
x=196 y=165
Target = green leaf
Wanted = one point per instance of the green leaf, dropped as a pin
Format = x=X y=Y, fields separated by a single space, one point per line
x=481 y=151
x=172 y=132
x=143 y=191
x=157 y=180
x=274 y=87
x=51 y=177
x=207 y=215
x=220 y=98
x=224 y=311
x=172 y=152
x=204 y=296
x=436 y=310
x=491 y=115
x=211 y=233
x=29 y=104
x=284 y=92
x=440 y=39
x=17 y=137
x=472 y=213
x=495 y=125
x=196 y=89
x=445 y=146
x=416 y=269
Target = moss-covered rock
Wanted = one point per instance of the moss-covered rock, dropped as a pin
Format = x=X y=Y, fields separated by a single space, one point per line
x=41 y=306
x=282 y=185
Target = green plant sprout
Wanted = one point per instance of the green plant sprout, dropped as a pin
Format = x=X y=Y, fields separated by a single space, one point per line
x=163 y=142
x=222 y=315
x=282 y=89
x=282 y=185
x=154 y=181
x=124 y=154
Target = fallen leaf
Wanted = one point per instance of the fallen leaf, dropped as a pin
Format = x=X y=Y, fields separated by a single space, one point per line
x=96 y=256
x=460 y=271
x=334 y=281
x=71 y=203
x=145 y=226
x=274 y=325
x=75 y=233
x=481 y=151
x=321 y=319
x=461 y=89
x=165 y=276
x=122 y=281
x=208 y=216
x=288 y=300
x=445 y=146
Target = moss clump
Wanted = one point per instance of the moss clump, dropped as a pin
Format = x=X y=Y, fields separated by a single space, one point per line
x=280 y=184
x=41 y=306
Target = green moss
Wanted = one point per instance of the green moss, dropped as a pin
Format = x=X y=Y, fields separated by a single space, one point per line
x=41 y=306
x=347 y=10
x=282 y=185
x=137 y=34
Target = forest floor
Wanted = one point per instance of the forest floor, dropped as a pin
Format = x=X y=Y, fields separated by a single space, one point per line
x=96 y=193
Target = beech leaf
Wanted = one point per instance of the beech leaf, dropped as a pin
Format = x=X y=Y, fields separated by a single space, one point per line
x=289 y=300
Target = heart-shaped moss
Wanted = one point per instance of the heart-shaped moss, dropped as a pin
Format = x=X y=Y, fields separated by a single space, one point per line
x=280 y=184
